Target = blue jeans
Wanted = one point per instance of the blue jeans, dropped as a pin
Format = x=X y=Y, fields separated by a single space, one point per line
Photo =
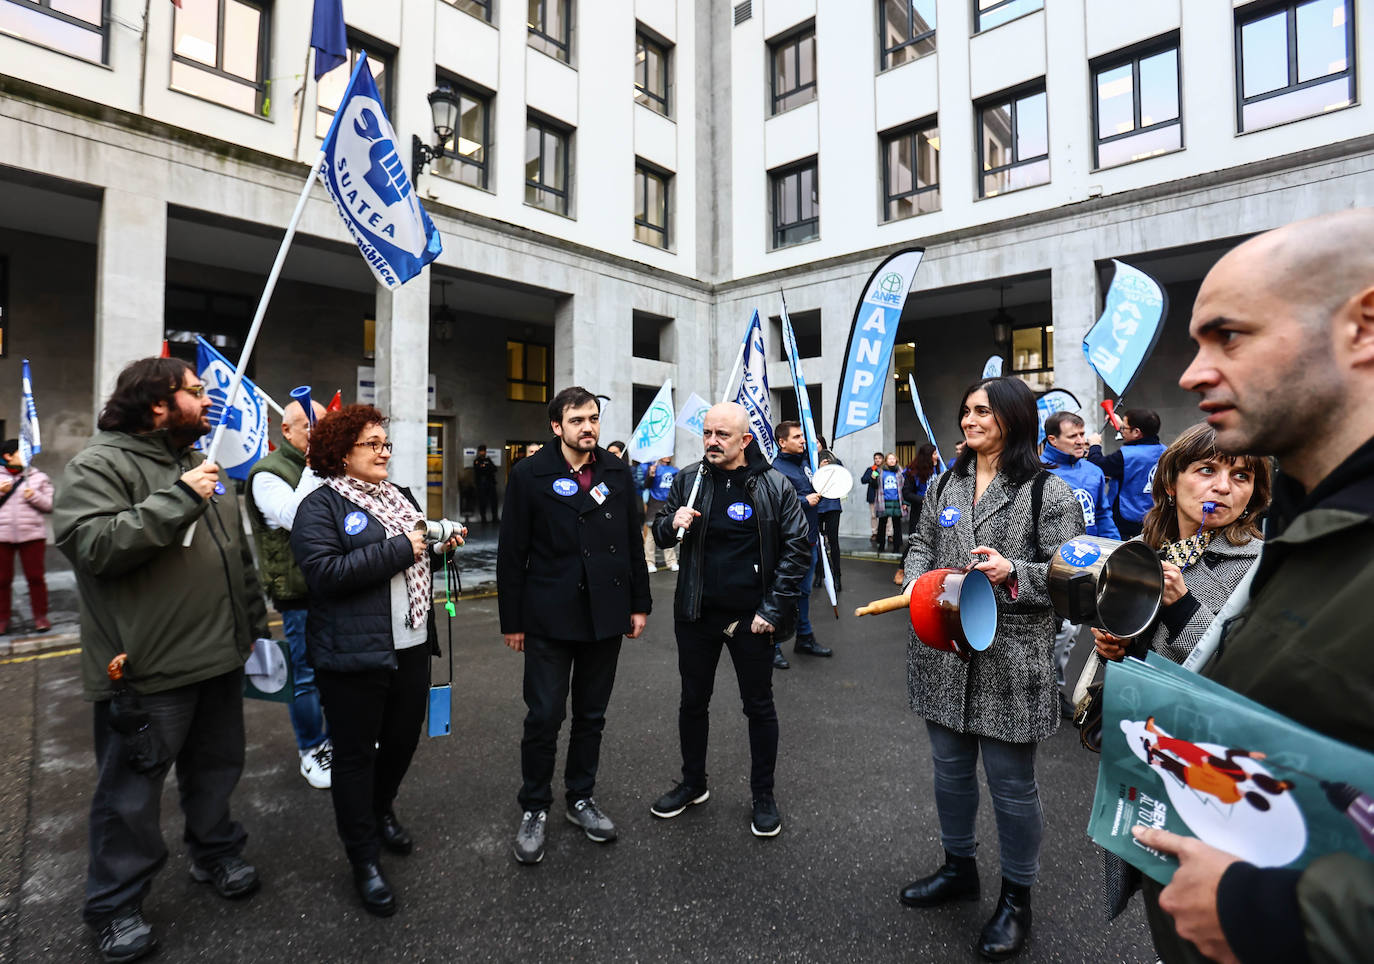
x=1010 y=769
x=804 y=603
x=307 y=718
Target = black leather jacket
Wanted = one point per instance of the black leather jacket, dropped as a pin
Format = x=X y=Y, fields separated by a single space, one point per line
x=783 y=544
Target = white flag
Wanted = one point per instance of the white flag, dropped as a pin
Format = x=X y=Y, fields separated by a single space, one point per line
x=655 y=434
x=693 y=414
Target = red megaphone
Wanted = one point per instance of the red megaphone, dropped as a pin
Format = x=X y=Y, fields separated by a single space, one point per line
x=1109 y=407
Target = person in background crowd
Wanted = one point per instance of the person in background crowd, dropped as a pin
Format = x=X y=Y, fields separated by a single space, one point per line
x=658 y=480
x=744 y=561
x=187 y=618
x=1284 y=326
x=1065 y=446
x=484 y=477
x=276 y=485
x=370 y=632
x=872 y=478
x=1001 y=703
x=617 y=449
x=792 y=463
x=828 y=511
x=570 y=581
x=1132 y=466
x=25 y=497
x=915 y=481
x=533 y=448
x=888 y=504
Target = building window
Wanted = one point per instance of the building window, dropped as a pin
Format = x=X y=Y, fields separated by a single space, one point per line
x=550 y=24
x=467 y=153
x=1294 y=60
x=1032 y=356
x=546 y=166
x=907 y=29
x=75 y=27
x=651 y=206
x=527 y=372
x=911 y=171
x=330 y=90
x=796 y=204
x=1137 y=107
x=481 y=9
x=1014 y=145
x=651 y=73
x=793 y=60
x=993 y=13
x=219 y=48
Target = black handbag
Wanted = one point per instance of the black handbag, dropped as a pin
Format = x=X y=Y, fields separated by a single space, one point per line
x=1087 y=704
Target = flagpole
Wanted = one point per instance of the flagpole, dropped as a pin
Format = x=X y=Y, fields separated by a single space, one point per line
x=724 y=397
x=236 y=382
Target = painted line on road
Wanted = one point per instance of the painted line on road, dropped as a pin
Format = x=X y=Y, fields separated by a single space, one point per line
x=25 y=659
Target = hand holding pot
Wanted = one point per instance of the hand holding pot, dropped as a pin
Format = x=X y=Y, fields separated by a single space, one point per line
x=1109 y=646
x=1174 y=588
x=995 y=566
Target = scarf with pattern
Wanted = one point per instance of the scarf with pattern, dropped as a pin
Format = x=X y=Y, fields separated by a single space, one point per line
x=385 y=503
x=1185 y=552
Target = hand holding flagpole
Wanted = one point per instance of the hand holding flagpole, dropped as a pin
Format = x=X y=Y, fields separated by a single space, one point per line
x=724 y=397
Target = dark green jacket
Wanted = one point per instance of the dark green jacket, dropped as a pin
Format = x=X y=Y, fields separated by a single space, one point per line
x=1304 y=647
x=281 y=577
x=182 y=614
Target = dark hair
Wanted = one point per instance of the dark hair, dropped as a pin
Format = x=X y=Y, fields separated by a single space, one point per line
x=140 y=386
x=1144 y=419
x=1054 y=425
x=922 y=467
x=877 y=455
x=10 y=447
x=622 y=446
x=573 y=397
x=481 y=448
x=784 y=429
x=1013 y=406
x=334 y=436
x=1199 y=444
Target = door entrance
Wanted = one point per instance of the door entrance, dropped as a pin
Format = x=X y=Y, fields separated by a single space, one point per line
x=435 y=449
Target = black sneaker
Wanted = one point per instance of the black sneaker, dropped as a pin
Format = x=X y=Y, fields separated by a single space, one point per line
x=232 y=876
x=127 y=936
x=806 y=643
x=679 y=799
x=767 y=820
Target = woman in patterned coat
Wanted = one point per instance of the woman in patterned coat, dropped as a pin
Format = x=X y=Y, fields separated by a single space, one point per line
x=1003 y=701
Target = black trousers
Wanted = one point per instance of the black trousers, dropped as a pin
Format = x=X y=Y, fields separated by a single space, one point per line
x=374 y=722
x=201 y=727
x=698 y=653
x=830 y=532
x=552 y=668
x=486 y=501
x=896 y=521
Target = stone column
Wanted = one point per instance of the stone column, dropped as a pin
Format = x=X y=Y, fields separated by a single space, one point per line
x=130 y=284
x=1073 y=290
x=402 y=368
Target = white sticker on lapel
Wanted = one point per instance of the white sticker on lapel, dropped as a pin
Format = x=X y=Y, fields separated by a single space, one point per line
x=355 y=522
x=600 y=492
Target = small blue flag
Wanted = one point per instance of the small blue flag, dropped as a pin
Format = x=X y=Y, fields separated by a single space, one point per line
x=753 y=389
x=245 y=422
x=367 y=179
x=328 y=36
x=30 y=441
x=1117 y=346
x=789 y=340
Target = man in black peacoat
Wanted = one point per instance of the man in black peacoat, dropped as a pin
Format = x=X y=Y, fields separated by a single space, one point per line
x=571 y=581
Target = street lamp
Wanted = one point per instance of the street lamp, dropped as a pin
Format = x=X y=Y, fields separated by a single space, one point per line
x=1001 y=322
x=443 y=105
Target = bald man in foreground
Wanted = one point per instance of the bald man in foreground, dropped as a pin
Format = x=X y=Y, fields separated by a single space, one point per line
x=1284 y=326
x=742 y=561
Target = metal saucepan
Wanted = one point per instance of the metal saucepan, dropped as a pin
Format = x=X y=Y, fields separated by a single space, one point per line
x=1115 y=586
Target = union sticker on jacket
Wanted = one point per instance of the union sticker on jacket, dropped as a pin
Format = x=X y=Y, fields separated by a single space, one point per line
x=600 y=492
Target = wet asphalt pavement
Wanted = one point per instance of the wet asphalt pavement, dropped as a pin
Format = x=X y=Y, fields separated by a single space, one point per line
x=853 y=787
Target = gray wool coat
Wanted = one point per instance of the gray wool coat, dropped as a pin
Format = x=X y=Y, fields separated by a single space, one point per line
x=1210 y=582
x=1006 y=692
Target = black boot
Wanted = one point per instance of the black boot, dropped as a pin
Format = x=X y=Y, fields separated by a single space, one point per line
x=956 y=880
x=373 y=889
x=1006 y=931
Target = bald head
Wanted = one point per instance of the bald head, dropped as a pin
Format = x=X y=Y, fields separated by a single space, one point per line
x=294 y=427
x=725 y=434
x=732 y=414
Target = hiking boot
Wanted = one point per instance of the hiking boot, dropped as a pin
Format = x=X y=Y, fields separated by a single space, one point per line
x=529 y=839
x=679 y=799
x=595 y=824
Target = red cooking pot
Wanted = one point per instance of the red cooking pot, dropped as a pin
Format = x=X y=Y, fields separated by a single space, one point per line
x=954 y=610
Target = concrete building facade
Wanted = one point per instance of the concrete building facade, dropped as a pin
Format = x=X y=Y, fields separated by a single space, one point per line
x=631 y=178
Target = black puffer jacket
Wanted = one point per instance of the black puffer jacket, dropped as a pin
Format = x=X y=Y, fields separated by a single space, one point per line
x=348 y=628
x=784 y=548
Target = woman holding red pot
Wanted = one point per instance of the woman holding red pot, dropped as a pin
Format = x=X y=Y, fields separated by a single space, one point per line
x=1000 y=511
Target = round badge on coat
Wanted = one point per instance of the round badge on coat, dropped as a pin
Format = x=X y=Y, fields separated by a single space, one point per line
x=1079 y=554
x=565 y=487
x=740 y=511
x=949 y=515
x=355 y=522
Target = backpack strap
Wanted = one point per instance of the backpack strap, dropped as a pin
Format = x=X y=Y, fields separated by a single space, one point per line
x=1037 y=500
x=940 y=486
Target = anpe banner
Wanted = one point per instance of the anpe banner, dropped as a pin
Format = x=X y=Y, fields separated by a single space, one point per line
x=245 y=422
x=367 y=179
x=30 y=439
x=868 y=355
x=753 y=389
x=655 y=434
x=1117 y=346
x=992 y=368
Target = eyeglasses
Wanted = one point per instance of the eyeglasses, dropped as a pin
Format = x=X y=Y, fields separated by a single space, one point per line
x=375 y=446
x=195 y=391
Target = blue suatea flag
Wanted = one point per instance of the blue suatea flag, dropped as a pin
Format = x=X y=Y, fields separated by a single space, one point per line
x=30 y=440
x=789 y=340
x=367 y=179
x=1124 y=336
x=753 y=389
x=328 y=36
x=868 y=356
x=245 y=422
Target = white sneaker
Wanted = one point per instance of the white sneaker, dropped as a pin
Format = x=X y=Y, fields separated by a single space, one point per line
x=653 y=568
x=315 y=765
x=673 y=567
